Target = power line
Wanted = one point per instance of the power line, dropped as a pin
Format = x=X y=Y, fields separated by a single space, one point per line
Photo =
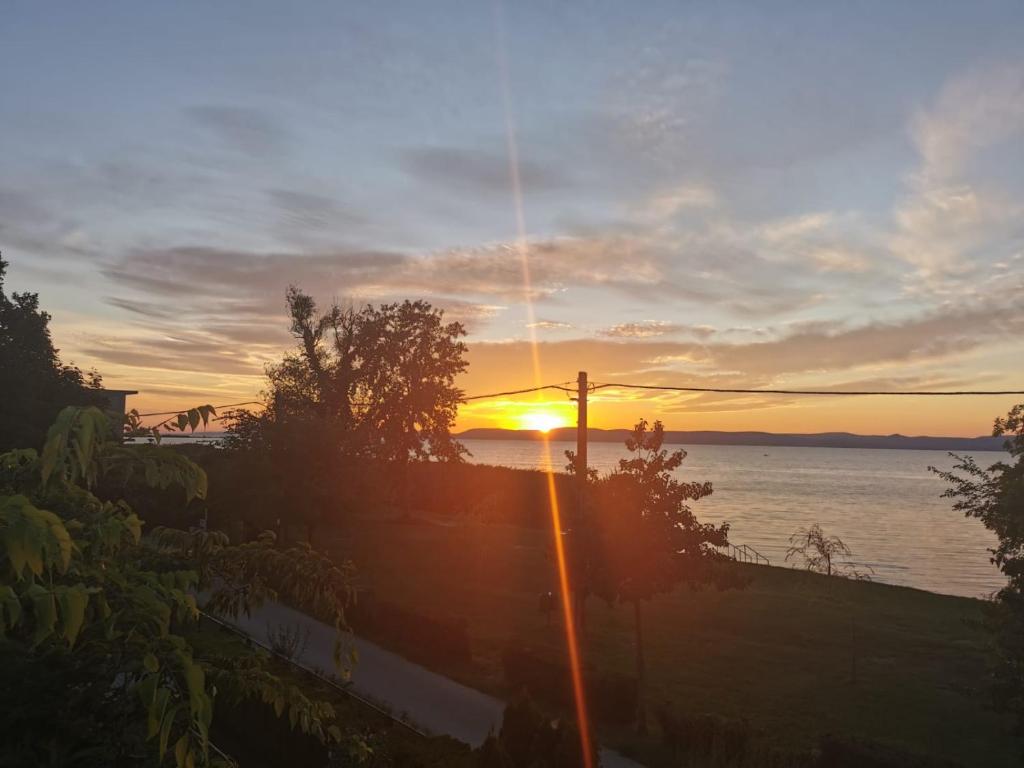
x=519 y=391
x=718 y=390
x=215 y=407
x=737 y=391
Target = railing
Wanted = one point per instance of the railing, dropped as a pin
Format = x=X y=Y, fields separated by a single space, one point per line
x=744 y=554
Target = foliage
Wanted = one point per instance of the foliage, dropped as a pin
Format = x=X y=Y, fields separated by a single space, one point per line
x=647 y=537
x=369 y=389
x=706 y=740
x=528 y=739
x=996 y=497
x=34 y=383
x=611 y=698
x=762 y=651
x=383 y=378
x=439 y=640
x=186 y=420
x=642 y=509
x=821 y=553
x=81 y=586
x=288 y=640
x=709 y=741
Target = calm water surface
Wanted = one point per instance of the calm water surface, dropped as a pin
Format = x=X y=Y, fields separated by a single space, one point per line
x=884 y=504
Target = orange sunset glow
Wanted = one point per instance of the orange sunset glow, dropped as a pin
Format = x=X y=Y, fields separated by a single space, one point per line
x=512 y=384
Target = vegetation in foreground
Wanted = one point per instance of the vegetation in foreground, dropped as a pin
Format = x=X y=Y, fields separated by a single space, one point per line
x=796 y=654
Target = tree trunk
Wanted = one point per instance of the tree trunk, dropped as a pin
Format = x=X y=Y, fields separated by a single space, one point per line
x=641 y=671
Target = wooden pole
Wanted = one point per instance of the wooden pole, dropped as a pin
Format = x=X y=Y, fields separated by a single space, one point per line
x=580 y=523
x=581 y=440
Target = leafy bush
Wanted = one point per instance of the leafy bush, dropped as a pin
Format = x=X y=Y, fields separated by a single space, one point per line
x=611 y=698
x=430 y=639
x=709 y=741
x=491 y=494
x=83 y=592
x=706 y=740
x=837 y=752
x=528 y=739
x=288 y=640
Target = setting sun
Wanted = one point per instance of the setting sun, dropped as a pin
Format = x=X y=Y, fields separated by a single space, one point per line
x=542 y=421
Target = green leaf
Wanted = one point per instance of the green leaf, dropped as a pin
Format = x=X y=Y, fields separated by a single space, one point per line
x=195 y=681
x=147 y=690
x=151 y=663
x=44 y=610
x=181 y=751
x=167 y=722
x=10 y=608
x=73 y=602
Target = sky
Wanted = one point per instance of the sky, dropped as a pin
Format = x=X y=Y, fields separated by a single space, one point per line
x=784 y=195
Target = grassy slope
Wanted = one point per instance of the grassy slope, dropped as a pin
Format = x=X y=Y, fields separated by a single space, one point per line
x=780 y=653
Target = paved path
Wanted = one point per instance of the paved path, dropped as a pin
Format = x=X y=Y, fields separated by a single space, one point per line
x=431 y=701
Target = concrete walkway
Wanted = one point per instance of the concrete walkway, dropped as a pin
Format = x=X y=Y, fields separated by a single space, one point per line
x=431 y=701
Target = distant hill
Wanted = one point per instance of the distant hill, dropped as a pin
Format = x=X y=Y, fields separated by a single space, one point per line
x=816 y=440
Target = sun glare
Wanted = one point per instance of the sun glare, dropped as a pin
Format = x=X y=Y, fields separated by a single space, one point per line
x=540 y=421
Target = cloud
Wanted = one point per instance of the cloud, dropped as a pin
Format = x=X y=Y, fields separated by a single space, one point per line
x=550 y=325
x=641 y=330
x=303 y=210
x=474 y=172
x=933 y=335
x=244 y=129
x=824 y=348
x=964 y=209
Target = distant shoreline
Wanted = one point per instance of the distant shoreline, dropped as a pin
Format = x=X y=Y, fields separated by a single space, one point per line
x=708 y=437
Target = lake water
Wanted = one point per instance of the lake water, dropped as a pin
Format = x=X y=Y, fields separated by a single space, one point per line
x=884 y=504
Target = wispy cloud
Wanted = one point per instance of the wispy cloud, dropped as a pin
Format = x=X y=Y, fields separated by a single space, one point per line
x=474 y=172
x=248 y=130
x=641 y=330
x=550 y=325
x=964 y=209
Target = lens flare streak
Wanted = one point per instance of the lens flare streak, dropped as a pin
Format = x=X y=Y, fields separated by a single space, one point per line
x=522 y=251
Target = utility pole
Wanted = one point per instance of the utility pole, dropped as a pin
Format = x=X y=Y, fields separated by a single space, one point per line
x=581 y=440
x=579 y=524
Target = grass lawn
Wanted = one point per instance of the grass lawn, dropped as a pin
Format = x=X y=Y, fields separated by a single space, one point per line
x=797 y=654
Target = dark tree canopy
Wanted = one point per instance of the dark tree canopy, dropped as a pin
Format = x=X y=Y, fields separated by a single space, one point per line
x=996 y=497
x=383 y=377
x=645 y=539
x=34 y=383
x=652 y=540
x=364 y=392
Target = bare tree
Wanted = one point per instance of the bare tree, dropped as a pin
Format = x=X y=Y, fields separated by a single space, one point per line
x=823 y=554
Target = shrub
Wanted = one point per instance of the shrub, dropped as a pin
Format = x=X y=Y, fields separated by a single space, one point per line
x=528 y=739
x=491 y=494
x=611 y=698
x=430 y=639
x=288 y=640
x=840 y=752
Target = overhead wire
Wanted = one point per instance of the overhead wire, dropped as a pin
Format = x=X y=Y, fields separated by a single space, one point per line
x=716 y=390
x=833 y=392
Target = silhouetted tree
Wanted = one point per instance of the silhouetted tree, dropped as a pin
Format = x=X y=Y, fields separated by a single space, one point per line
x=363 y=388
x=34 y=383
x=384 y=376
x=996 y=497
x=528 y=739
x=581 y=544
x=493 y=755
x=650 y=539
